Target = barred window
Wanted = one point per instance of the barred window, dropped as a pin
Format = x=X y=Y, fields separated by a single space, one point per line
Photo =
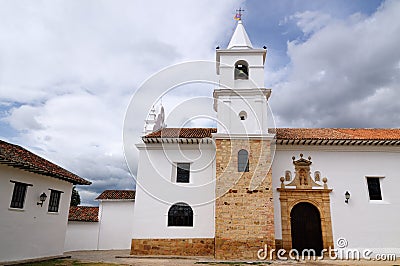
x=18 y=196
x=243 y=161
x=54 y=201
x=182 y=172
x=180 y=214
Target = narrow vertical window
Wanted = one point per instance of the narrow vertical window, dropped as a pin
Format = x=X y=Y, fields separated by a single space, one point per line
x=182 y=172
x=243 y=161
x=18 y=196
x=374 y=188
x=54 y=201
x=180 y=214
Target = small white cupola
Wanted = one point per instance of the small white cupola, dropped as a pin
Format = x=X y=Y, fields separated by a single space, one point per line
x=154 y=122
x=240 y=39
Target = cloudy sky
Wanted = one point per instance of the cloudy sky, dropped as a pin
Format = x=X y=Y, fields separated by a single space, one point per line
x=68 y=69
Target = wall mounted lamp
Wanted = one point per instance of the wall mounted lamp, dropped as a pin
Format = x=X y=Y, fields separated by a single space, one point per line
x=42 y=198
x=347 y=196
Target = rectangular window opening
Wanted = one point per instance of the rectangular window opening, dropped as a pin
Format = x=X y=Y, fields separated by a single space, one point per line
x=18 y=196
x=182 y=172
x=374 y=188
x=54 y=201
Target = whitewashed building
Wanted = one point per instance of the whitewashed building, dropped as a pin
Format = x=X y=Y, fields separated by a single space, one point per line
x=106 y=227
x=82 y=228
x=34 y=201
x=229 y=191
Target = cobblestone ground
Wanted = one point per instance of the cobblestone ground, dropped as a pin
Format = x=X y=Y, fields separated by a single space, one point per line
x=122 y=257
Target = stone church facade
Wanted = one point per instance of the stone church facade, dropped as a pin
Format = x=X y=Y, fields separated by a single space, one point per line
x=229 y=191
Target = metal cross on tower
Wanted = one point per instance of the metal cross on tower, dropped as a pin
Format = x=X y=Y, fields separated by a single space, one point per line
x=238 y=15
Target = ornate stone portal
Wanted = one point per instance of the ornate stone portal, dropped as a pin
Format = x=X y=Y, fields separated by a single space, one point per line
x=304 y=189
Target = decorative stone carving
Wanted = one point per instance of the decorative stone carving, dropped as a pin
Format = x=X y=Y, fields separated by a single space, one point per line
x=317 y=176
x=302 y=178
x=288 y=175
x=303 y=188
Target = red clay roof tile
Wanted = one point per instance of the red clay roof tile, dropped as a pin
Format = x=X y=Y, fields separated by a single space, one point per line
x=117 y=194
x=83 y=214
x=182 y=133
x=291 y=133
x=338 y=133
x=18 y=157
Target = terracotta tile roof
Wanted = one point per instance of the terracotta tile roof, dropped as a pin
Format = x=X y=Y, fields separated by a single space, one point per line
x=18 y=157
x=197 y=133
x=338 y=133
x=117 y=195
x=291 y=133
x=342 y=136
x=83 y=214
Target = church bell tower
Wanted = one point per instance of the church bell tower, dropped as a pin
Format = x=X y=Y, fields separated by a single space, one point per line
x=241 y=99
x=244 y=215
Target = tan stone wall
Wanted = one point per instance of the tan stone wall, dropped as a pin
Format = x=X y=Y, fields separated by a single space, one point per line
x=244 y=214
x=175 y=246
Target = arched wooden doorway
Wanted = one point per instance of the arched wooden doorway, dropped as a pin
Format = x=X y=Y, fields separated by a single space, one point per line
x=305 y=221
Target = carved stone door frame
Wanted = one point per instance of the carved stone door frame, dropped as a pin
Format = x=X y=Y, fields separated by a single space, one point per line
x=302 y=188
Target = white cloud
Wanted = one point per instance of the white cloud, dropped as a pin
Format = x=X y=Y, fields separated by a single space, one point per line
x=311 y=21
x=69 y=69
x=24 y=118
x=340 y=71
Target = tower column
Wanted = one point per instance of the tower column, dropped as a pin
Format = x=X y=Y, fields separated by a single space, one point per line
x=244 y=213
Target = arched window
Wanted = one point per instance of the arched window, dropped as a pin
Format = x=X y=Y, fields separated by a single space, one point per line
x=243 y=161
x=241 y=70
x=243 y=115
x=180 y=214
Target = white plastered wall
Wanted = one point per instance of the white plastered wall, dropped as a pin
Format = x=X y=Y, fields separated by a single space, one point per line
x=32 y=232
x=156 y=190
x=256 y=69
x=116 y=224
x=81 y=236
x=253 y=104
x=112 y=231
x=363 y=223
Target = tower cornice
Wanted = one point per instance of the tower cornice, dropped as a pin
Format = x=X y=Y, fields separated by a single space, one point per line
x=242 y=92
